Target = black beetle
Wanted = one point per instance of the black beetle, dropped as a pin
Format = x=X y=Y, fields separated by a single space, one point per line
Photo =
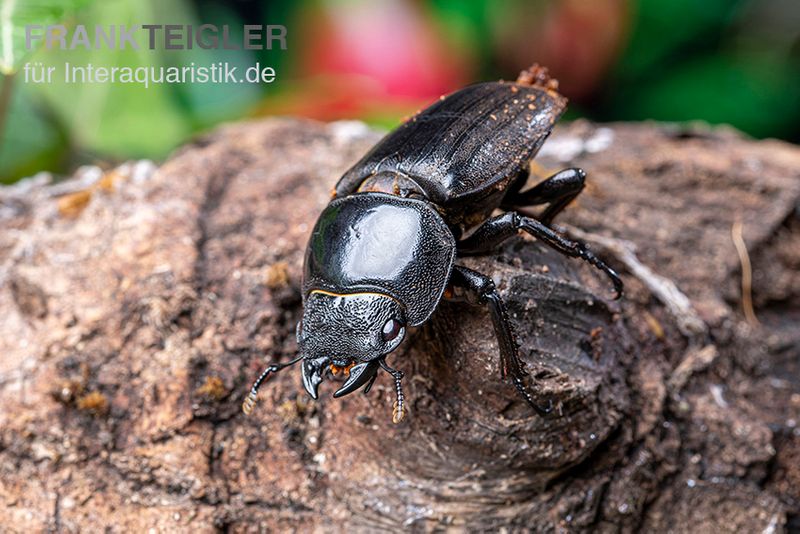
x=382 y=254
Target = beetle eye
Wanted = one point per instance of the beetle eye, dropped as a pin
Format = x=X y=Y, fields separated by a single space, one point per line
x=391 y=329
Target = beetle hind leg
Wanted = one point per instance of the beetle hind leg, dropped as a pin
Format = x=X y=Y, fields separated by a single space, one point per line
x=484 y=291
x=557 y=191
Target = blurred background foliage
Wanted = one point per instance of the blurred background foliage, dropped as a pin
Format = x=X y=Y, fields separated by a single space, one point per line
x=720 y=61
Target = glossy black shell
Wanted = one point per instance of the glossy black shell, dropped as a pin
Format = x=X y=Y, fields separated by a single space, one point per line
x=375 y=242
x=465 y=149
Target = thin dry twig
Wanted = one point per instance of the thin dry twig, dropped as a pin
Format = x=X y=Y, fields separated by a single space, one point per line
x=677 y=303
x=747 y=273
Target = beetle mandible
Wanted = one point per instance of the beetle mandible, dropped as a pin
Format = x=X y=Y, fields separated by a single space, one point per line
x=384 y=250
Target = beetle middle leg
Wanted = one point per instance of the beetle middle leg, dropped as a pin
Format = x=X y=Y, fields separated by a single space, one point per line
x=483 y=290
x=497 y=229
x=557 y=191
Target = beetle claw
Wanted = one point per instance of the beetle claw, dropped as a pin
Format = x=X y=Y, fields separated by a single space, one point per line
x=360 y=374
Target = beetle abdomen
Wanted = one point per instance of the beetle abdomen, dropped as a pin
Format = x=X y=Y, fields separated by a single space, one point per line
x=473 y=140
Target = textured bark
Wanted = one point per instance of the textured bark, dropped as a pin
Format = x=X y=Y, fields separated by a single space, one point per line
x=139 y=304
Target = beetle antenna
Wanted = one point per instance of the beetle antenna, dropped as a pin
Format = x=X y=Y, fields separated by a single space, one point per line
x=399 y=407
x=250 y=401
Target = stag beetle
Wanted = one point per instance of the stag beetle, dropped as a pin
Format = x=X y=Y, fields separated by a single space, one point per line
x=382 y=254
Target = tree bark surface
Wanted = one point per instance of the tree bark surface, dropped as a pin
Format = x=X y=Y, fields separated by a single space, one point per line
x=138 y=305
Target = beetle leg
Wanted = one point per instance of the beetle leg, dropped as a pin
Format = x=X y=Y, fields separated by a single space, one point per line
x=557 y=191
x=497 y=229
x=399 y=408
x=518 y=183
x=250 y=401
x=482 y=287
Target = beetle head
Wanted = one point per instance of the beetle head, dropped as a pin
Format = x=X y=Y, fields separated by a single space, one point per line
x=350 y=332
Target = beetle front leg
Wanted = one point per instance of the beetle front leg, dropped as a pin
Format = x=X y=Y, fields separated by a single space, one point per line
x=484 y=291
x=498 y=229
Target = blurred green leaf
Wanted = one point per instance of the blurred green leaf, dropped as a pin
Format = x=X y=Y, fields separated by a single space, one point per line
x=209 y=103
x=128 y=119
x=759 y=94
x=465 y=23
x=36 y=143
x=16 y=14
x=662 y=28
x=119 y=119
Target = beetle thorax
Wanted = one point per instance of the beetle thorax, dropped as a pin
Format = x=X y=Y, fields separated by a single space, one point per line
x=379 y=243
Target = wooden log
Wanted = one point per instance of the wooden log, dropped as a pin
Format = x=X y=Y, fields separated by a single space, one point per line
x=139 y=303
